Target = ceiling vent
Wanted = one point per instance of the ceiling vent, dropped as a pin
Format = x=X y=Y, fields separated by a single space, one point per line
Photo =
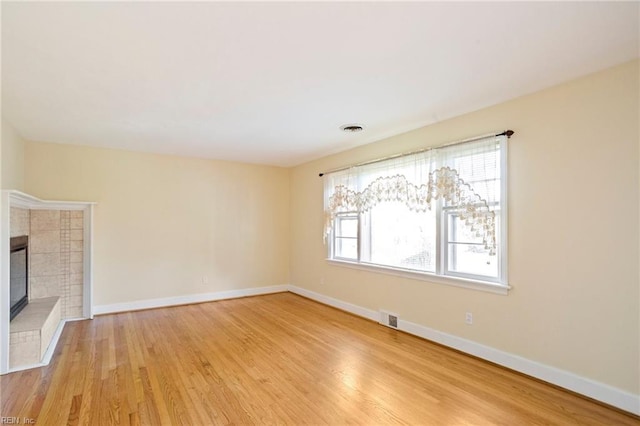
x=351 y=128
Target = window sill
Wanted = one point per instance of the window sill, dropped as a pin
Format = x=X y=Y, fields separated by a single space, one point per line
x=490 y=287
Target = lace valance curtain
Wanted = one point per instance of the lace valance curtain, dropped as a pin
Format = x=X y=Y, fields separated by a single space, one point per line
x=464 y=177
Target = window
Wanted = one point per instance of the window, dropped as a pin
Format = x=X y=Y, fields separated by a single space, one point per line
x=439 y=212
x=346 y=236
x=399 y=237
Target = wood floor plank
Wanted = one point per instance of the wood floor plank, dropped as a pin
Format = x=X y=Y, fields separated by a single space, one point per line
x=275 y=359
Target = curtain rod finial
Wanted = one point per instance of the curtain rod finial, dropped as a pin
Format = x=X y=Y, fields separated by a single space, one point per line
x=506 y=133
x=320 y=174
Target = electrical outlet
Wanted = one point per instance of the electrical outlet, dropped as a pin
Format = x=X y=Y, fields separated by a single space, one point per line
x=205 y=280
x=468 y=318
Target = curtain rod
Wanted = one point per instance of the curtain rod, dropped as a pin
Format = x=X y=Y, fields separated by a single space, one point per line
x=506 y=133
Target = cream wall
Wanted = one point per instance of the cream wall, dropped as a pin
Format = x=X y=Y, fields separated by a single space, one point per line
x=164 y=225
x=11 y=158
x=573 y=233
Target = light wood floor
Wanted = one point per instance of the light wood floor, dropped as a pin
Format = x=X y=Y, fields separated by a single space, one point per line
x=275 y=359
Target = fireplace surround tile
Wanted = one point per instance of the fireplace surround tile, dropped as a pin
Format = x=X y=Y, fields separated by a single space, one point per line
x=76 y=235
x=43 y=220
x=44 y=264
x=44 y=286
x=19 y=222
x=75 y=256
x=44 y=241
x=75 y=290
x=75 y=268
x=76 y=245
x=75 y=301
x=57 y=258
x=24 y=350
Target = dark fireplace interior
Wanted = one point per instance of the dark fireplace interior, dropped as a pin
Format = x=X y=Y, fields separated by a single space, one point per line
x=18 y=271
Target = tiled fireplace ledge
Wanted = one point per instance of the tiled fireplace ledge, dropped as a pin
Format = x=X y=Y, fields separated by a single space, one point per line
x=32 y=331
x=19 y=200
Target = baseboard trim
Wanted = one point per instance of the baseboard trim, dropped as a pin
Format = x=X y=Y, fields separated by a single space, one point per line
x=186 y=300
x=599 y=391
x=345 y=306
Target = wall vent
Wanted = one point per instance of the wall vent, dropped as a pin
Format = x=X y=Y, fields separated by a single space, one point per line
x=389 y=319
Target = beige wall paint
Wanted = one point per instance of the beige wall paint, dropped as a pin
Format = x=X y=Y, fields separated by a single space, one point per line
x=162 y=223
x=11 y=158
x=573 y=232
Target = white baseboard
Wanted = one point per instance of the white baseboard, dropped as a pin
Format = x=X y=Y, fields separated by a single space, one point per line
x=186 y=300
x=46 y=359
x=599 y=391
x=345 y=306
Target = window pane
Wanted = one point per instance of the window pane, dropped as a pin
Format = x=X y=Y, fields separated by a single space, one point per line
x=347 y=226
x=346 y=236
x=466 y=251
x=481 y=170
x=480 y=165
x=346 y=248
x=402 y=238
x=460 y=232
x=472 y=259
x=488 y=190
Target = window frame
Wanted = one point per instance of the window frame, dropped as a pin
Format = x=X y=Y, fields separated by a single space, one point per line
x=442 y=274
x=445 y=242
x=341 y=216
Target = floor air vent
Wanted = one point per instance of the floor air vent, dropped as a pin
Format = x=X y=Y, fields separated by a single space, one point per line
x=389 y=319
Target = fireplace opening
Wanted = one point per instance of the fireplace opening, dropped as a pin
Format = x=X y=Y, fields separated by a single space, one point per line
x=19 y=274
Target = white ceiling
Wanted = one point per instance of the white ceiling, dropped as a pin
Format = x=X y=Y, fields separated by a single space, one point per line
x=271 y=83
